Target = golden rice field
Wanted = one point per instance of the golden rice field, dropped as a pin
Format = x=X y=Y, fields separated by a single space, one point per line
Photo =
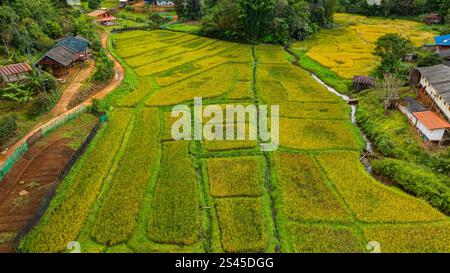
x=347 y=49
x=138 y=190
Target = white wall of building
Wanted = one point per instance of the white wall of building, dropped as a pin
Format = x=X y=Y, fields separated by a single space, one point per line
x=433 y=135
x=440 y=102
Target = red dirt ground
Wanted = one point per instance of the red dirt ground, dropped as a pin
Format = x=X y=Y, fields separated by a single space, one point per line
x=37 y=173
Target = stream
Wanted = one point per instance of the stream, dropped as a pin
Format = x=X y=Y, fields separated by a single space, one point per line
x=368 y=150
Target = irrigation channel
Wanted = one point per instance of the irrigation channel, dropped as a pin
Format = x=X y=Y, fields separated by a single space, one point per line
x=368 y=150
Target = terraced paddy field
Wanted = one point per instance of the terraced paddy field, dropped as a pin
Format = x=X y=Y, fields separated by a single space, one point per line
x=347 y=49
x=137 y=190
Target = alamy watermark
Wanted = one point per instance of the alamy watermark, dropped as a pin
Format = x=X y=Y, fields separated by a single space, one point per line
x=236 y=126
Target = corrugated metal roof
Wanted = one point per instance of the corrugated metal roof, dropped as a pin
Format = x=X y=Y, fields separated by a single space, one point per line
x=439 y=77
x=443 y=40
x=74 y=43
x=14 y=69
x=61 y=55
x=413 y=105
x=109 y=18
x=364 y=79
x=431 y=120
x=96 y=12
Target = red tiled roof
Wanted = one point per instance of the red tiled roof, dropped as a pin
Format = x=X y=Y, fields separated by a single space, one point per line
x=96 y=12
x=14 y=69
x=431 y=120
x=109 y=18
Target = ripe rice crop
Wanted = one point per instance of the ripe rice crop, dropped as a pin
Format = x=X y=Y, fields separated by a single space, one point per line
x=143 y=88
x=308 y=134
x=421 y=238
x=240 y=53
x=66 y=215
x=236 y=176
x=315 y=110
x=187 y=70
x=324 y=239
x=347 y=50
x=307 y=89
x=175 y=215
x=117 y=216
x=210 y=84
x=271 y=54
x=243 y=225
x=303 y=191
x=242 y=91
x=368 y=199
x=180 y=59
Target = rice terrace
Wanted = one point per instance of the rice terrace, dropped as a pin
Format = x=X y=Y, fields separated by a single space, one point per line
x=360 y=162
x=137 y=191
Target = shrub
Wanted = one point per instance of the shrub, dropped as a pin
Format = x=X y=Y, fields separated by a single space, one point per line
x=416 y=180
x=104 y=68
x=42 y=103
x=8 y=127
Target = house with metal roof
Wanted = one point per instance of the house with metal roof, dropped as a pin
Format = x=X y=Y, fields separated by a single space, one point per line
x=443 y=46
x=431 y=125
x=103 y=17
x=434 y=87
x=58 y=60
x=78 y=44
x=14 y=72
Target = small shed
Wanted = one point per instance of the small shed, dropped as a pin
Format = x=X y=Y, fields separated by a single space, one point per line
x=432 y=19
x=103 y=17
x=14 y=72
x=363 y=82
x=431 y=125
x=58 y=60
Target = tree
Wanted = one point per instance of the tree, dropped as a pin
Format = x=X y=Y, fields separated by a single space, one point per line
x=388 y=90
x=194 y=9
x=255 y=16
x=391 y=48
x=429 y=59
x=94 y=4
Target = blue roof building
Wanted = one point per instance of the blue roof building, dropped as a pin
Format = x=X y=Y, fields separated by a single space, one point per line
x=443 y=40
x=75 y=44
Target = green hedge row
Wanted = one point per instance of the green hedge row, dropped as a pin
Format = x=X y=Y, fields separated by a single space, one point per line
x=416 y=180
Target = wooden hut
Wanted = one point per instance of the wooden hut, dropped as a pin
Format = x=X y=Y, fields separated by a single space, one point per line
x=432 y=19
x=14 y=72
x=363 y=82
x=58 y=60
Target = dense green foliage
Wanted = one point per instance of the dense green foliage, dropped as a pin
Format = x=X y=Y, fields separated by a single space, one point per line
x=29 y=27
x=417 y=180
x=392 y=48
x=8 y=127
x=104 y=68
x=276 y=21
x=393 y=135
x=397 y=7
x=42 y=103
